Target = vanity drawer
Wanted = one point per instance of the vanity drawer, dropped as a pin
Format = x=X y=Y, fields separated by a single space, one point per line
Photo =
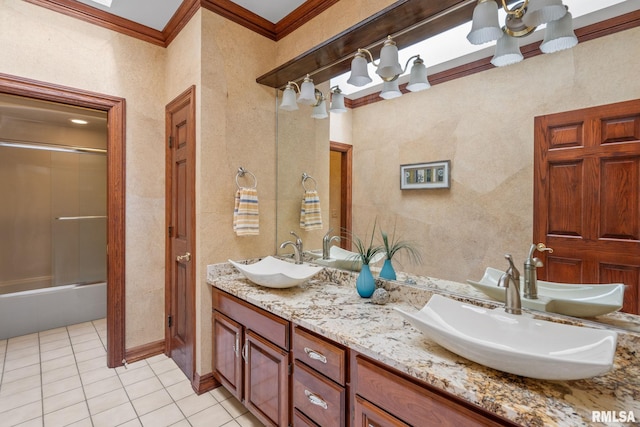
x=411 y=403
x=268 y=325
x=322 y=355
x=320 y=399
x=301 y=420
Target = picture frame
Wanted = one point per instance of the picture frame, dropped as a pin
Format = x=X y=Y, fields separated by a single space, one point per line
x=419 y=176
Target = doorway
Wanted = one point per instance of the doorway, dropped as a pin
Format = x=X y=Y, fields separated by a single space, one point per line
x=115 y=109
x=180 y=243
x=340 y=188
x=587 y=196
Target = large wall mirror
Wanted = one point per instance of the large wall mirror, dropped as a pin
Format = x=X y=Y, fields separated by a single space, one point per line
x=484 y=125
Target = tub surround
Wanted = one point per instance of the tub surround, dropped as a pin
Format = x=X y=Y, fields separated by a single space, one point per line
x=329 y=305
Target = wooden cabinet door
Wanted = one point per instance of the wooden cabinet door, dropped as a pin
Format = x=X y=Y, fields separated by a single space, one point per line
x=266 y=380
x=587 y=196
x=227 y=359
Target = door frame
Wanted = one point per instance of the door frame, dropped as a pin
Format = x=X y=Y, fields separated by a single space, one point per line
x=115 y=109
x=186 y=97
x=346 y=176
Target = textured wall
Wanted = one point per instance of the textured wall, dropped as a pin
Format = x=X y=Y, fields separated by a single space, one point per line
x=484 y=124
x=43 y=45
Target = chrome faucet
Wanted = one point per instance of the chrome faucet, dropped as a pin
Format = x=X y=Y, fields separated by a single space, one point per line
x=530 y=271
x=511 y=281
x=297 y=247
x=326 y=243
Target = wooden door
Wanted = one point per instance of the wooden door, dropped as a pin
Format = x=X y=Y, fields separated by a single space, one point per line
x=227 y=348
x=266 y=380
x=344 y=178
x=180 y=213
x=587 y=196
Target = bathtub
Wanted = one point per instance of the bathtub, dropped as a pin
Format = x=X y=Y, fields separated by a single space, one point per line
x=37 y=310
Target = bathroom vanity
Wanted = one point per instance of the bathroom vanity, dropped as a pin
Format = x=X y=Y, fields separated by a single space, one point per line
x=318 y=354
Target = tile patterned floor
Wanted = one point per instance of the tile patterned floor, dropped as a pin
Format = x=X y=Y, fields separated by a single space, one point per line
x=59 y=378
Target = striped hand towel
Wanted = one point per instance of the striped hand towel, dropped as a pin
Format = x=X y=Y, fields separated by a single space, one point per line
x=245 y=212
x=310 y=216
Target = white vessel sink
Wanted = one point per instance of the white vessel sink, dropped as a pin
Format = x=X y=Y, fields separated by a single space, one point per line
x=275 y=273
x=518 y=344
x=343 y=259
x=579 y=300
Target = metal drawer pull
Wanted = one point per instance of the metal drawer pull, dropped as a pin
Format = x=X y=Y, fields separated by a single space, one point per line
x=315 y=399
x=315 y=355
x=236 y=347
x=245 y=348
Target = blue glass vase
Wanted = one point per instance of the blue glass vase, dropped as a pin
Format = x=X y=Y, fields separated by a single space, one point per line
x=365 y=283
x=387 y=271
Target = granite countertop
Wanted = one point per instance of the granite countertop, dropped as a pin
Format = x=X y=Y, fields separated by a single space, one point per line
x=329 y=305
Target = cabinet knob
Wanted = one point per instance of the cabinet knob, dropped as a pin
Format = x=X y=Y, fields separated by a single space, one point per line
x=315 y=399
x=315 y=355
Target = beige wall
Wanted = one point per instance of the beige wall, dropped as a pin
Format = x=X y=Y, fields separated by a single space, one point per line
x=43 y=45
x=484 y=124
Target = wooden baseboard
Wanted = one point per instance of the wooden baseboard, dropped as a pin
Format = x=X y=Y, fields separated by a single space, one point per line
x=204 y=383
x=144 y=351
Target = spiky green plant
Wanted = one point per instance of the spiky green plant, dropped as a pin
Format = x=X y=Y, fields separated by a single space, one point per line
x=366 y=251
x=394 y=245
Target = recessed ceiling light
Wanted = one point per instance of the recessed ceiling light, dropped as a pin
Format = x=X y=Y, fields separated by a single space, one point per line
x=103 y=2
x=79 y=121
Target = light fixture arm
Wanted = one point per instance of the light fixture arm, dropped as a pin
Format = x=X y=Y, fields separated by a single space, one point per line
x=319 y=97
x=517 y=12
x=363 y=50
x=294 y=84
x=404 y=70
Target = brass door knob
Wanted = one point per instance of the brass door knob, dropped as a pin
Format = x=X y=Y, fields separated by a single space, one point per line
x=186 y=257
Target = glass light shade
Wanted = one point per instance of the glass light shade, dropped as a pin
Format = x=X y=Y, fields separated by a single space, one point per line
x=359 y=73
x=320 y=111
x=390 y=90
x=418 y=78
x=389 y=66
x=289 y=99
x=507 y=51
x=543 y=11
x=485 y=27
x=337 y=102
x=307 y=92
x=559 y=35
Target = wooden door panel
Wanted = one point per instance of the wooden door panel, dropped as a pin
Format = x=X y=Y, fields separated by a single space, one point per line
x=630 y=276
x=565 y=202
x=620 y=195
x=180 y=217
x=619 y=129
x=587 y=196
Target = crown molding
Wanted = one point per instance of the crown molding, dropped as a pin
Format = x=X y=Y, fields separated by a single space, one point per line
x=226 y=8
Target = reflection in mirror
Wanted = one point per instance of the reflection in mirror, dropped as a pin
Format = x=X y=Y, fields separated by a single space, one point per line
x=303 y=148
x=489 y=208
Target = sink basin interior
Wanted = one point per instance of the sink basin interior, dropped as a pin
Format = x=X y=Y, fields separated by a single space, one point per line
x=580 y=300
x=518 y=344
x=343 y=259
x=275 y=273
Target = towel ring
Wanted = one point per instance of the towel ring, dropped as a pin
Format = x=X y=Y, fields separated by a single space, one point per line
x=241 y=173
x=305 y=177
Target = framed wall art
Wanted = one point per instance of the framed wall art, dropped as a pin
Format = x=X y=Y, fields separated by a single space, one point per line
x=417 y=176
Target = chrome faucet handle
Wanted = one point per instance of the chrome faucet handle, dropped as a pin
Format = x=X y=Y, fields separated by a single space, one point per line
x=328 y=234
x=512 y=270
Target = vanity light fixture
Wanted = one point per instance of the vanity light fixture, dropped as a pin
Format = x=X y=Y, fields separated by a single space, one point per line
x=388 y=68
x=79 y=121
x=309 y=95
x=521 y=21
x=337 y=100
